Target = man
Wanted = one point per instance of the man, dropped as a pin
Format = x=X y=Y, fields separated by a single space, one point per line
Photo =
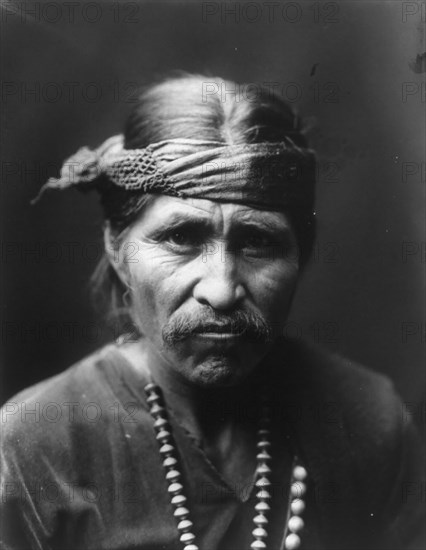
x=208 y=429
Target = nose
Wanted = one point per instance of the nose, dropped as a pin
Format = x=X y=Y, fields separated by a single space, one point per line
x=220 y=284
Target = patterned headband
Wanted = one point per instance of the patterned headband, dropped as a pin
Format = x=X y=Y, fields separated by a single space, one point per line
x=265 y=175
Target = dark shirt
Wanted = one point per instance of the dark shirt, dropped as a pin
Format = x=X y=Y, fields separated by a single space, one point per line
x=81 y=466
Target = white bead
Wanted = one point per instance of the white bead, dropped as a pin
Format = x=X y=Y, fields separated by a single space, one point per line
x=297 y=506
x=263 y=444
x=163 y=435
x=190 y=547
x=298 y=489
x=263 y=455
x=260 y=533
x=299 y=473
x=263 y=469
x=167 y=449
x=292 y=542
x=175 y=488
x=172 y=475
x=263 y=482
x=178 y=500
x=160 y=423
x=184 y=525
x=260 y=520
x=263 y=494
x=181 y=512
x=169 y=462
x=295 y=524
x=258 y=545
x=187 y=538
x=157 y=409
x=153 y=398
x=262 y=507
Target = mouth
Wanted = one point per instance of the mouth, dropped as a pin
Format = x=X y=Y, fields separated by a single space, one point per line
x=225 y=332
x=216 y=331
x=219 y=336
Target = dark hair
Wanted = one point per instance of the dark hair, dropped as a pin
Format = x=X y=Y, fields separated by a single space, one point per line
x=179 y=107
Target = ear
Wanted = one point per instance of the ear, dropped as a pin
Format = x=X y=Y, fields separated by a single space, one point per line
x=112 y=248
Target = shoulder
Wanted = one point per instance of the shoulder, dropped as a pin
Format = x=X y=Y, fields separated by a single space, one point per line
x=350 y=418
x=52 y=435
x=360 y=394
x=68 y=382
x=45 y=411
x=359 y=443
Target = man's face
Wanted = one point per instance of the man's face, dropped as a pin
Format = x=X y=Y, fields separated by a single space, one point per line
x=209 y=281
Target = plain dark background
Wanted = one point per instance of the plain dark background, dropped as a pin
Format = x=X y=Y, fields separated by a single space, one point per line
x=347 y=68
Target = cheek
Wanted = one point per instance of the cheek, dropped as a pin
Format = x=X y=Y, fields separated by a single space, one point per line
x=273 y=287
x=155 y=288
x=147 y=293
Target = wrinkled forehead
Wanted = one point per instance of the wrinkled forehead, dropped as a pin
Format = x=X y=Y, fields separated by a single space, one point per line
x=168 y=211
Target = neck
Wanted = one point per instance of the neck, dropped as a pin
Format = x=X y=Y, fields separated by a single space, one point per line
x=224 y=421
x=206 y=412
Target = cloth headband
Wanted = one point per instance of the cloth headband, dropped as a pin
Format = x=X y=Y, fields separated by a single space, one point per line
x=265 y=175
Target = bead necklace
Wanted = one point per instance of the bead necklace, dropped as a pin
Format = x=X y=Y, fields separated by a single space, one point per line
x=181 y=513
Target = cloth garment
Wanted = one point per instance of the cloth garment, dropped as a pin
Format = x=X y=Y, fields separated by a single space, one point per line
x=264 y=175
x=81 y=467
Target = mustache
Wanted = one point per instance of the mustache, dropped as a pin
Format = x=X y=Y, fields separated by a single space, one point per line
x=245 y=323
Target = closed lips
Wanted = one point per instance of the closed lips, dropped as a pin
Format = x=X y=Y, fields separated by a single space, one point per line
x=219 y=329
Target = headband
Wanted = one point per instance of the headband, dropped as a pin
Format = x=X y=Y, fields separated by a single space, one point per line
x=264 y=175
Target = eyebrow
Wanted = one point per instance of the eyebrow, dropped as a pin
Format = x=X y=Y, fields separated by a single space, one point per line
x=262 y=222
x=179 y=219
x=265 y=224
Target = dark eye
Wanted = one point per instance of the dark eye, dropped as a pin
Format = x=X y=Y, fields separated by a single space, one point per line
x=184 y=237
x=257 y=241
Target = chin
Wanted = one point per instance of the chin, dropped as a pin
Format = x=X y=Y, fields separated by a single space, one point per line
x=219 y=372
